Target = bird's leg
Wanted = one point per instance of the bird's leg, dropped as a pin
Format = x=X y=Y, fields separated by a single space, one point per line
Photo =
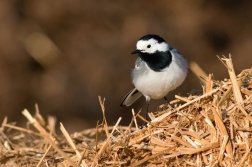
x=147 y=111
x=166 y=99
x=147 y=107
x=167 y=103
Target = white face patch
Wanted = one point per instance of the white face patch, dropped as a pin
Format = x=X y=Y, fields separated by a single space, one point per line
x=152 y=46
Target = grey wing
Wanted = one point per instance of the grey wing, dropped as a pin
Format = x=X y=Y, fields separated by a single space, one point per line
x=174 y=50
x=181 y=61
x=131 y=97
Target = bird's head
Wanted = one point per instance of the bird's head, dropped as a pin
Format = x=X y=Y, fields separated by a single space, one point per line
x=151 y=44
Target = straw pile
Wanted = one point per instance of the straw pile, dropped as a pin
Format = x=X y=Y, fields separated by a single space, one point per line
x=211 y=129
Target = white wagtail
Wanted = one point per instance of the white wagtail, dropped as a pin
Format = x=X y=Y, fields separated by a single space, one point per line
x=158 y=70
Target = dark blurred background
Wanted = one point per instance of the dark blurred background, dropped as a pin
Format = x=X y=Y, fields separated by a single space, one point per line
x=63 y=54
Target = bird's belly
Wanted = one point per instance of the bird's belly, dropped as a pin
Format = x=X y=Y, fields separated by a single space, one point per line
x=156 y=85
x=154 y=88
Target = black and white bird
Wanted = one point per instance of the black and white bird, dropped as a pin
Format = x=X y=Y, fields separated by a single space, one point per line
x=158 y=70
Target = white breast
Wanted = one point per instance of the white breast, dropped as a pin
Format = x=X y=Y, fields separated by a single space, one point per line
x=156 y=85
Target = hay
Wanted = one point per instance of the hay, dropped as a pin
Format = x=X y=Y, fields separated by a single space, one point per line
x=211 y=129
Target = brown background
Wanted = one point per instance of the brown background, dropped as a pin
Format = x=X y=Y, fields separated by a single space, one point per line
x=63 y=54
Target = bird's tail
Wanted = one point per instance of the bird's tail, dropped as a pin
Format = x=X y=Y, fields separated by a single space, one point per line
x=131 y=97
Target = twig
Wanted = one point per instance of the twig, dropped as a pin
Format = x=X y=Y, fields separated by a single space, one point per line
x=236 y=88
x=71 y=143
x=43 y=157
x=197 y=99
x=134 y=118
x=104 y=145
x=47 y=137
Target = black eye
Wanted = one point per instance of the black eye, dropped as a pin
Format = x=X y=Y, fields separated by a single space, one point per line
x=148 y=46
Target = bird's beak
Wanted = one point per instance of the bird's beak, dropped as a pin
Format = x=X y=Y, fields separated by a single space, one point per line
x=136 y=51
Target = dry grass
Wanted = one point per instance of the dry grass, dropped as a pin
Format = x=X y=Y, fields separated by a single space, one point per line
x=211 y=129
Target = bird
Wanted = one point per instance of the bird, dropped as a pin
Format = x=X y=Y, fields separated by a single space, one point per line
x=159 y=69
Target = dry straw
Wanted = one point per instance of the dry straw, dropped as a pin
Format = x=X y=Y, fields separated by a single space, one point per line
x=211 y=129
